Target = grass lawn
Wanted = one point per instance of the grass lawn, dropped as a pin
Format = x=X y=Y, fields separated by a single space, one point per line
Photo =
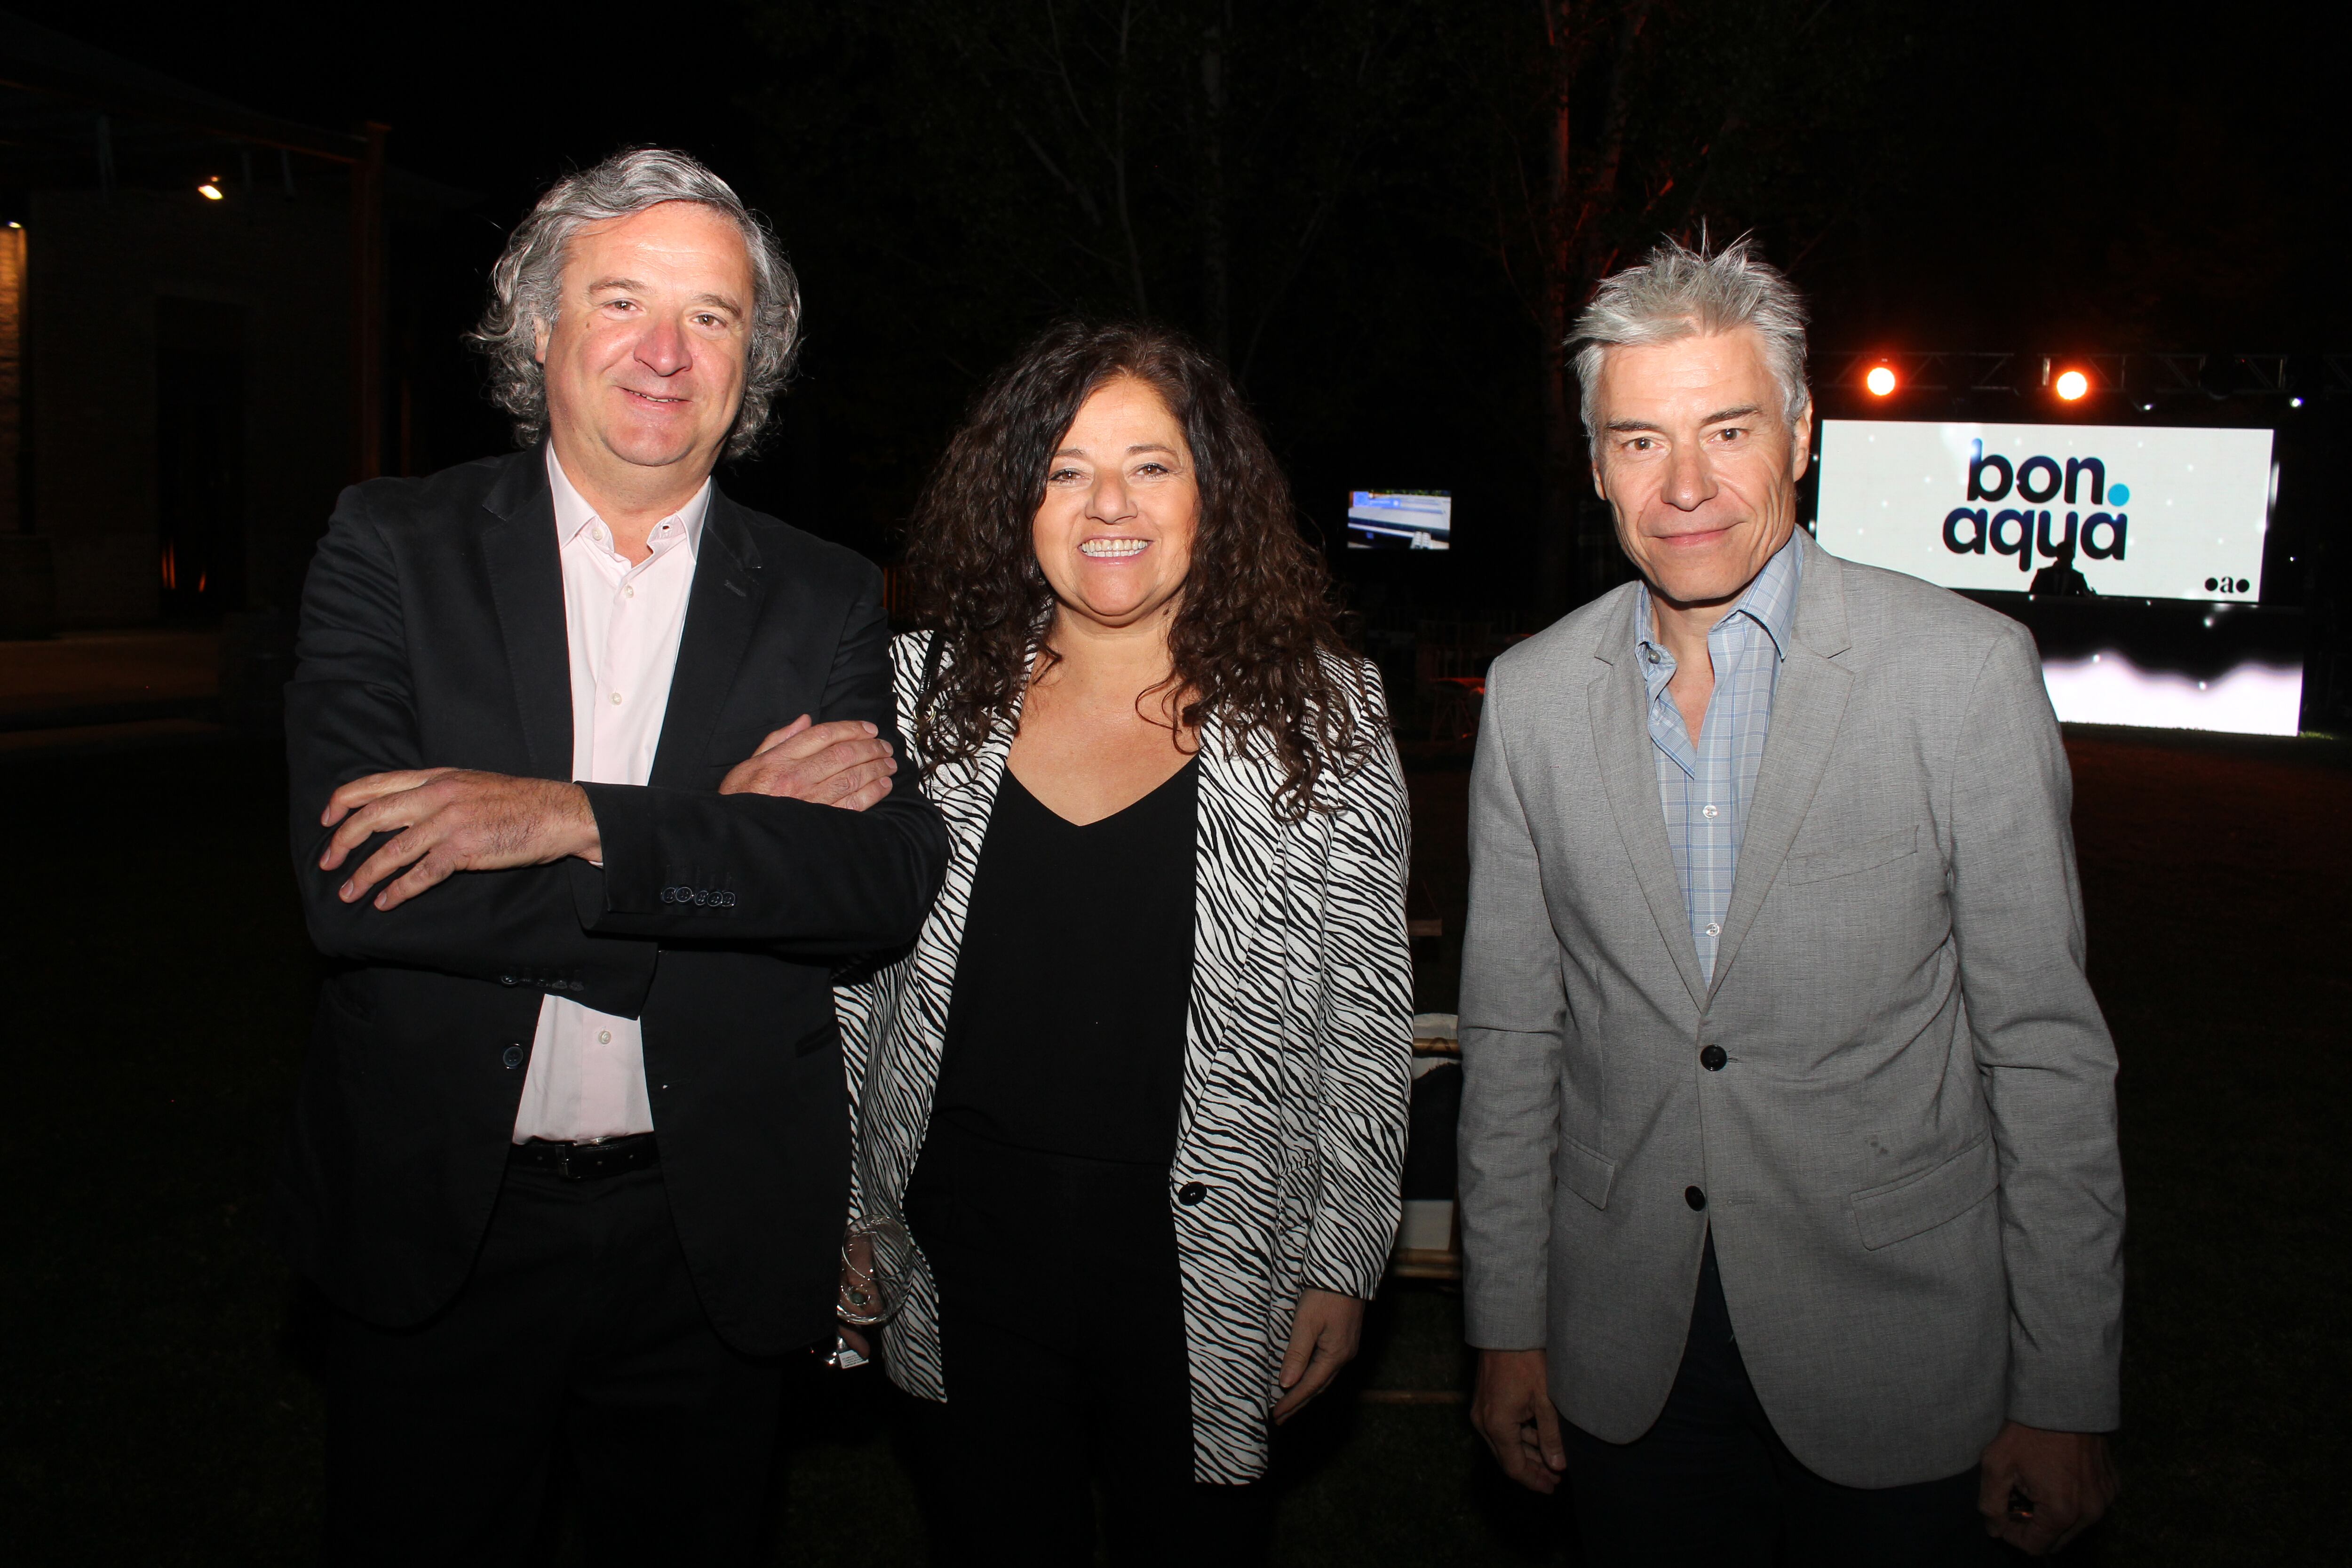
x=155 y=1409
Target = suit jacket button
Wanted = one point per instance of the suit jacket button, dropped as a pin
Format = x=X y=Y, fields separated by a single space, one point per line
x=506 y=979
x=1694 y=1197
x=1191 y=1192
x=1712 y=1058
x=512 y=1056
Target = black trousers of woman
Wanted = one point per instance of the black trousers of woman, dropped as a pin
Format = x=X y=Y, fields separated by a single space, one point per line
x=1062 y=1339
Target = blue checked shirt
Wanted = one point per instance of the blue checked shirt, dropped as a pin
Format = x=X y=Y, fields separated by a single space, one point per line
x=1706 y=787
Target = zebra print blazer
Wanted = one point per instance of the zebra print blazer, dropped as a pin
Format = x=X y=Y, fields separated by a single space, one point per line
x=1299 y=1040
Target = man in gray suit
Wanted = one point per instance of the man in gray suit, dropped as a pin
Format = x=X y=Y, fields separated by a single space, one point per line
x=1788 y=1166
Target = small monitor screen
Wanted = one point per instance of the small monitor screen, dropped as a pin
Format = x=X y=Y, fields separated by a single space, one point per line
x=1400 y=520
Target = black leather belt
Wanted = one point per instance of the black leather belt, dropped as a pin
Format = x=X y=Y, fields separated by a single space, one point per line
x=588 y=1161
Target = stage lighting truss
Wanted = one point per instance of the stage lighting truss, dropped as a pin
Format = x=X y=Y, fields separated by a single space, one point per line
x=2136 y=377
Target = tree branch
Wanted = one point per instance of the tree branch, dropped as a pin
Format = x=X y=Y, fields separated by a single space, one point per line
x=1084 y=197
x=1118 y=166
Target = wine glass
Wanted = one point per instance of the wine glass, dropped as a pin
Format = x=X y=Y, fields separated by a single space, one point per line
x=875 y=1255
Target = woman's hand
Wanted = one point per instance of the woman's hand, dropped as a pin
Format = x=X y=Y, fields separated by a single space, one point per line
x=1324 y=1335
x=856 y=1293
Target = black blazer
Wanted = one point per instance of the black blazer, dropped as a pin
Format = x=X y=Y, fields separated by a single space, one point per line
x=433 y=634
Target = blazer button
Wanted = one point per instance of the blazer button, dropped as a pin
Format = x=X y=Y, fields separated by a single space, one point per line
x=1694 y=1197
x=512 y=1056
x=1191 y=1192
x=506 y=979
x=1712 y=1058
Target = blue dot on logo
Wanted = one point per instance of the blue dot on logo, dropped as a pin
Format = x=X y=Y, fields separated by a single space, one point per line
x=2119 y=493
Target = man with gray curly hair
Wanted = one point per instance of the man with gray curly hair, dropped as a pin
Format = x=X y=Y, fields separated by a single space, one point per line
x=1791 y=1211
x=591 y=782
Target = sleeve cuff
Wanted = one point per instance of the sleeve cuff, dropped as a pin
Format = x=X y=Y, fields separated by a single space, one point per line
x=2088 y=1403
x=628 y=881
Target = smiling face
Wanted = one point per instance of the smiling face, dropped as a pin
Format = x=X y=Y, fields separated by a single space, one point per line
x=645 y=362
x=1699 y=463
x=1114 y=530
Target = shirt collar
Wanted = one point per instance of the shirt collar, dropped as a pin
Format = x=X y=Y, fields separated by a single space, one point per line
x=1770 y=602
x=573 y=513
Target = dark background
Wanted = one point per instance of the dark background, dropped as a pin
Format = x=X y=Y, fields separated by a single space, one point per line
x=1355 y=214
x=1351 y=211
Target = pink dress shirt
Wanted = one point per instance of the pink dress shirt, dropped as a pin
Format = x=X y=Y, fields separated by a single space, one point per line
x=587 y=1077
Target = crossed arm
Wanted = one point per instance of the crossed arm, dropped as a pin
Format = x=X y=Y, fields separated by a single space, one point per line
x=376 y=821
x=447 y=820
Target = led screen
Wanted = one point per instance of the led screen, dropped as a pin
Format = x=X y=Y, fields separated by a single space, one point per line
x=2108 y=687
x=2141 y=511
x=1400 y=520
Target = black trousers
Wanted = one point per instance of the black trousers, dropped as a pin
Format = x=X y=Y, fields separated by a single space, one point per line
x=1061 y=1338
x=579 y=1336
x=1711 y=1485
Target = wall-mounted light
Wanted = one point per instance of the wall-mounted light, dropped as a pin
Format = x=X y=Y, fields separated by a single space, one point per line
x=210 y=189
x=1881 y=380
x=13 y=223
x=2071 y=384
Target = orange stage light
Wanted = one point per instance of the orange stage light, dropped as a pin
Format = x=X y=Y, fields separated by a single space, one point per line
x=1881 y=381
x=2071 y=384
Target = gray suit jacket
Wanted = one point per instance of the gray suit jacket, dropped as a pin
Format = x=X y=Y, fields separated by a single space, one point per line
x=1909 y=1158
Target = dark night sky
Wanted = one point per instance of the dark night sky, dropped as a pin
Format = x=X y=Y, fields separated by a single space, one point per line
x=2032 y=176
x=2054 y=150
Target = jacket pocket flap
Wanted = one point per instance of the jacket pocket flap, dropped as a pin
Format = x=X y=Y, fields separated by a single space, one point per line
x=1585 y=1173
x=1925 y=1199
x=1862 y=857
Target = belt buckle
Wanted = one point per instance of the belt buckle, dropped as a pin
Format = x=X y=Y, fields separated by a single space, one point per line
x=589 y=1152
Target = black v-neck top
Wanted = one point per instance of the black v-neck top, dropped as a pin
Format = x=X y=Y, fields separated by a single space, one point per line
x=1065 y=1030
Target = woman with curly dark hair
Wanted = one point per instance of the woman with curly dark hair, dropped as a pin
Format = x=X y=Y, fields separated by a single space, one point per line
x=1140 y=1087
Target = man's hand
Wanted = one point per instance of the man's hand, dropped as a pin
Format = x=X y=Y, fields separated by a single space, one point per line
x=2062 y=1480
x=1513 y=1410
x=449 y=819
x=1324 y=1334
x=842 y=763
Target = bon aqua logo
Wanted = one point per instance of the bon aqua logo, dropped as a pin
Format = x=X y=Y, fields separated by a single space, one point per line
x=2027 y=533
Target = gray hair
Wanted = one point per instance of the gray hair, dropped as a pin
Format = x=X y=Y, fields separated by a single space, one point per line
x=1678 y=292
x=527 y=283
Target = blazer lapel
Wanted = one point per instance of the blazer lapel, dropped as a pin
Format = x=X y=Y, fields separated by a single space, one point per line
x=1809 y=701
x=723 y=609
x=518 y=553
x=1618 y=701
x=964 y=794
